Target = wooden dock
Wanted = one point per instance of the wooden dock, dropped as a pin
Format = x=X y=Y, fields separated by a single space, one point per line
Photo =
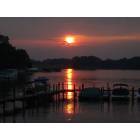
x=50 y=93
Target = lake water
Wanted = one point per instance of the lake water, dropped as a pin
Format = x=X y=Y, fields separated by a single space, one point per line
x=70 y=111
x=96 y=78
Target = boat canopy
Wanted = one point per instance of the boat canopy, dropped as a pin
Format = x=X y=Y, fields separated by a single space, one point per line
x=38 y=80
x=90 y=92
x=41 y=79
x=120 y=84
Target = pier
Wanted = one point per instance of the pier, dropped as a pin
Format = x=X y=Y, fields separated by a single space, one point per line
x=34 y=97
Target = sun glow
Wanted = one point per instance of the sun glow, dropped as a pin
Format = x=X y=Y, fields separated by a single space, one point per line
x=69 y=39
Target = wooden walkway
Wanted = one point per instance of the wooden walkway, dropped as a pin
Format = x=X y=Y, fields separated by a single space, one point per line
x=54 y=93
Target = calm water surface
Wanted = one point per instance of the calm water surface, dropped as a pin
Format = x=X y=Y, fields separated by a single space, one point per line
x=70 y=111
x=94 y=78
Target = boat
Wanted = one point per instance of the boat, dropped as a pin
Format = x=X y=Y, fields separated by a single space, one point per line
x=37 y=85
x=51 y=69
x=40 y=83
x=8 y=74
x=138 y=94
x=120 y=91
x=33 y=69
x=90 y=93
x=41 y=79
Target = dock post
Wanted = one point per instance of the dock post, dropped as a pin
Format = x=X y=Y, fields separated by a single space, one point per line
x=53 y=89
x=133 y=94
x=63 y=95
x=62 y=86
x=63 y=91
x=49 y=92
x=59 y=91
x=139 y=90
x=46 y=88
x=14 y=100
x=109 y=93
x=83 y=86
x=4 y=106
x=101 y=92
x=74 y=88
x=79 y=88
x=49 y=88
x=23 y=103
x=75 y=94
x=58 y=86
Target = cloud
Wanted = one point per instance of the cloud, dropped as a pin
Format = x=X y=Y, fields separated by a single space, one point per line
x=97 y=40
x=80 y=40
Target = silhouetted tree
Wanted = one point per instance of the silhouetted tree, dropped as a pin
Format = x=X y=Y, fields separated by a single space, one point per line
x=91 y=62
x=10 y=57
x=22 y=59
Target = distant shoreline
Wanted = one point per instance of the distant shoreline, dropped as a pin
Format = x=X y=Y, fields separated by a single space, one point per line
x=51 y=70
x=88 y=63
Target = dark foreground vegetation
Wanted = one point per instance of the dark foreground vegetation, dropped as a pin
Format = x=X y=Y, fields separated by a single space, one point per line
x=10 y=57
x=89 y=63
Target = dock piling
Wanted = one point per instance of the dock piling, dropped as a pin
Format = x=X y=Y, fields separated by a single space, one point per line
x=14 y=99
x=133 y=94
x=83 y=86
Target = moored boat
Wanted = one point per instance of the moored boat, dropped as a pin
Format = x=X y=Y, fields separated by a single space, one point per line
x=8 y=74
x=41 y=83
x=138 y=94
x=120 y=91
x=37 y=85
x=91 y=93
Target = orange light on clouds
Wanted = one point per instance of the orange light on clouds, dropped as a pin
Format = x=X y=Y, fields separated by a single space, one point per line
x=83 y=40
x=75 y=40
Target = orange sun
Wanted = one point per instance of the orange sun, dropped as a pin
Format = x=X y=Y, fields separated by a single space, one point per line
x=69 y=39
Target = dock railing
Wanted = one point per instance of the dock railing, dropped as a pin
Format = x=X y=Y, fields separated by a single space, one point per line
x=50 y=91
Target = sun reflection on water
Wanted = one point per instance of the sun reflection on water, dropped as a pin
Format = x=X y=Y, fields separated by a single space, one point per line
x=69 y=108
x=69 y=83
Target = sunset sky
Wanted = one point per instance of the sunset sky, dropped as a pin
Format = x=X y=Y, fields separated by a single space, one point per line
x=102 y=37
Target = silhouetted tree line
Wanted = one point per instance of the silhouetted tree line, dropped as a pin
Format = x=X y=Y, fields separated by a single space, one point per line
x=10 y=57
x=90 y=62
